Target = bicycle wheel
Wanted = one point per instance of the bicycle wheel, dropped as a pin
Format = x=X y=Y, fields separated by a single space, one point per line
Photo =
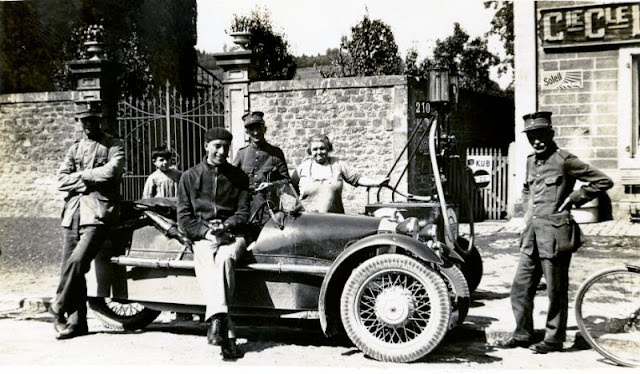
x=608 y=314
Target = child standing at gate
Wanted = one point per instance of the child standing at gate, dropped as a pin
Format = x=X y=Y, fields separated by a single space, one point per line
x=164 y=181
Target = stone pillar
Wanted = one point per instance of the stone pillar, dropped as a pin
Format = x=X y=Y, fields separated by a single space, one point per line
x=525 y=48
x=238 y=71
x=95 y=80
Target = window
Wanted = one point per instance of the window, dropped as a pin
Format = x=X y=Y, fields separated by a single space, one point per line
x=629 y=112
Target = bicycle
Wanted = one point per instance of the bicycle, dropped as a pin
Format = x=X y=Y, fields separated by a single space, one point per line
x=608 y=313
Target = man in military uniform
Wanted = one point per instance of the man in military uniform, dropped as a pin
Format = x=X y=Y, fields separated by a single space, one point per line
x=264 y=163
x=90 y=175
x=546 y=242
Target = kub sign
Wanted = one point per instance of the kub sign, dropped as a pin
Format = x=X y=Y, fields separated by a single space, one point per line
x=481 y=166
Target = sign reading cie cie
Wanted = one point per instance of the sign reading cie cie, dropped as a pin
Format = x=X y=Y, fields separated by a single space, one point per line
x=613 y=23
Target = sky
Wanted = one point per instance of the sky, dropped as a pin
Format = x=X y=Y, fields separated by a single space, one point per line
x=313 y=26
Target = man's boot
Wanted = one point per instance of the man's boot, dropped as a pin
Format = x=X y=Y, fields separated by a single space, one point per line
x=230 y=351
x=218 y=329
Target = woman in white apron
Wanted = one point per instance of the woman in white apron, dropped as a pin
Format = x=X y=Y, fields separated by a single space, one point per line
x=321 y=176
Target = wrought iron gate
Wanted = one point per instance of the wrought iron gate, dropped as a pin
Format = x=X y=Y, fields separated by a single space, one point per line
x=165 y=120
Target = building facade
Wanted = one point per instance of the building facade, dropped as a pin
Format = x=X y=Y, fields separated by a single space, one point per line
x=581 y=61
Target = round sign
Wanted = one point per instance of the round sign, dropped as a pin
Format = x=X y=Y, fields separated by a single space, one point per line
x=482 y=178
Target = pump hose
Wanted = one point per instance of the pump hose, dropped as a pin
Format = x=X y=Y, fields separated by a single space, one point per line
x=438 y=181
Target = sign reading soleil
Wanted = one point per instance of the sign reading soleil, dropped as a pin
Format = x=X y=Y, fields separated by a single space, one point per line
x=613 y=23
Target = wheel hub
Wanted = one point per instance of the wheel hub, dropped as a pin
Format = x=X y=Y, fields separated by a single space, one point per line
x=394 y=306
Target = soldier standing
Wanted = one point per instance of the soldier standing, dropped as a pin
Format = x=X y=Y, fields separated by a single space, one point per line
x=546 y=242
x=264 y=163
x=90 y=175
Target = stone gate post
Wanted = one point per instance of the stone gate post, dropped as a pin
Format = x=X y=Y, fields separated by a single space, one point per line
x=238 y=70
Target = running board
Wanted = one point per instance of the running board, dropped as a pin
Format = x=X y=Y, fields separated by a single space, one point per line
x=182 y=264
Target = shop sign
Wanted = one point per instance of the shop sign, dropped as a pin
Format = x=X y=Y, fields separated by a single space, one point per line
x=592 y=25
x=561 y=80
x=481 y=166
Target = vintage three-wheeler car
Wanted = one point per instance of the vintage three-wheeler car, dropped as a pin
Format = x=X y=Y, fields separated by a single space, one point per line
x=393 y=284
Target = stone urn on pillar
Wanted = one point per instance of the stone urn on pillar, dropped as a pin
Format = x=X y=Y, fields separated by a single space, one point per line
x=94 y=77
x=238 y=66
x=241 y=38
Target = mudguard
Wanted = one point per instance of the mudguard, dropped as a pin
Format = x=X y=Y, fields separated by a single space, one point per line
x=407 y=243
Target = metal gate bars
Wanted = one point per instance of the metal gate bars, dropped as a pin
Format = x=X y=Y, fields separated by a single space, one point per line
x=165 y=120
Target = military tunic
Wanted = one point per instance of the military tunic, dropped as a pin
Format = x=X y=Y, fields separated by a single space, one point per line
x=90 y=174
x=549 y=181
x=262 y=163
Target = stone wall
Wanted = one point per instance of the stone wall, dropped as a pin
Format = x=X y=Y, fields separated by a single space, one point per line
x=365 y=118
x=35 y=131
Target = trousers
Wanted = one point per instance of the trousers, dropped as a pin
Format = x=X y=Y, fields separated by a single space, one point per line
x=215 y=272
x=556 y=273
x=80 y=246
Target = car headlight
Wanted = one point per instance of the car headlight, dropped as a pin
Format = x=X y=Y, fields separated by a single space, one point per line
x=417 y=229
x=410 y=226
x=428 y=232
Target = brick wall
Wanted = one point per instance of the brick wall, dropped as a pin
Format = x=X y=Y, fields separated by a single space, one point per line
x=586 y=119
x=365 y=118
x=35 y=131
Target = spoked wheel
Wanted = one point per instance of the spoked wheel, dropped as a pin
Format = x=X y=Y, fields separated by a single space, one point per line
x=394 y=308
x=122 y=314
x=608 y=314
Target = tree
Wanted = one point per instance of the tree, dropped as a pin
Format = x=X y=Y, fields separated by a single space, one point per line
x=469 y=60
x=148 y=40
x=270 y=48
x=502 y=26
x=371 y=50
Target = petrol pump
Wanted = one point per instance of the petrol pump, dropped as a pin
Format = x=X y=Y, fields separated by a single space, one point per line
x=431 y=155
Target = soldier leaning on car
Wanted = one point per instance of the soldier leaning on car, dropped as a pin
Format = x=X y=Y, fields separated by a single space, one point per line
x=90 y=175
x=264 y=163
x=213 y=204
x=546 y=242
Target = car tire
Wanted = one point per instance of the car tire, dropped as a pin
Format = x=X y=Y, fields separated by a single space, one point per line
x=122 y=316
x=472 y=267
x=394 y=308
x=460 y=295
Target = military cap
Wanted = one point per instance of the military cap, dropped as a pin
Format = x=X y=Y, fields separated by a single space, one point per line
x=87 y=113
x=253 y=118
x=215 y=133
x=537 y=120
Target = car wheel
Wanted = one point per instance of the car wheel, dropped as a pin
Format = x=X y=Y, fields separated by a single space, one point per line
x=122 y=315
x=395 y=308
x=460 y=295
x=472 y=266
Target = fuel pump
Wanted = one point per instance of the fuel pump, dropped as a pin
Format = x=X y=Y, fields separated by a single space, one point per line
x=431 y=141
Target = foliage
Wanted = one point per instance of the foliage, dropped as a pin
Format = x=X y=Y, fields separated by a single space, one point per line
x=325 y=59
x=147 y=41
x=469 y=59
x=371 y=50
x=502 y=25
x=270 y=48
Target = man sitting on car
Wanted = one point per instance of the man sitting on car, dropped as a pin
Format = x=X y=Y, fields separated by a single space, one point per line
x=213 y=202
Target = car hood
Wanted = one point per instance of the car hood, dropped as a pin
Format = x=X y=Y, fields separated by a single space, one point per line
x=313 y=235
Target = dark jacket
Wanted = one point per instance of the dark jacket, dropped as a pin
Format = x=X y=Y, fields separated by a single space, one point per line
x=90 y=174
x=548 y=183
x=207 y=192
x=262 y=163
